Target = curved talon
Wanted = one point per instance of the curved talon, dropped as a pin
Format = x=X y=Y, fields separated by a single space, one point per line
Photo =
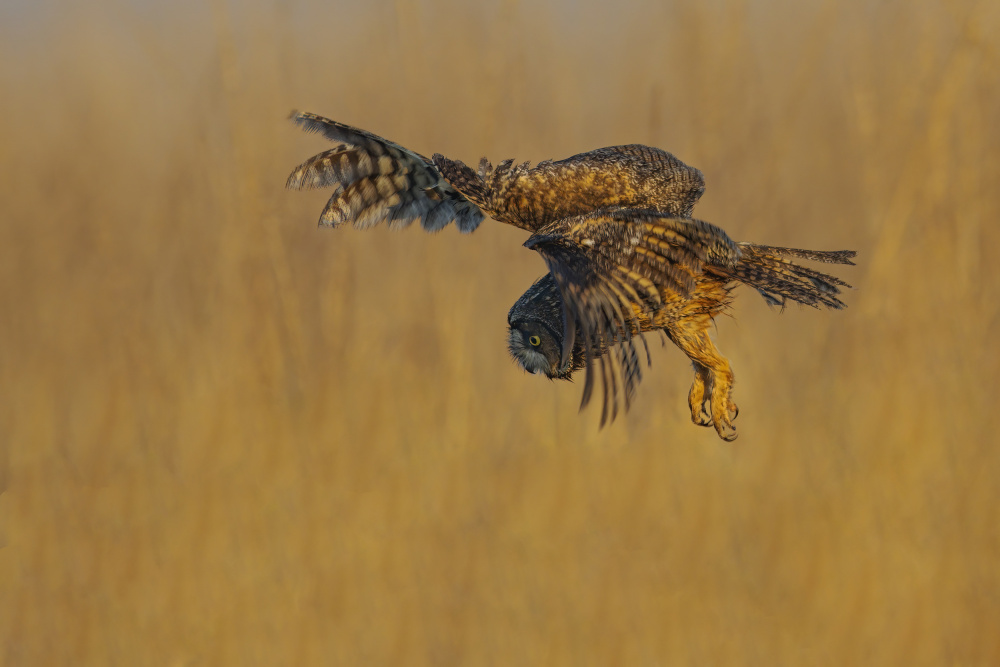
x=734 y=411
x=726 y=431
x=703 y=416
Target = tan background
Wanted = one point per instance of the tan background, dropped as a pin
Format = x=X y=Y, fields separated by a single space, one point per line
x=233 y=438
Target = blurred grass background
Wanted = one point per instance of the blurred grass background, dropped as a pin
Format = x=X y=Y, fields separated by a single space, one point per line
x=230 y=437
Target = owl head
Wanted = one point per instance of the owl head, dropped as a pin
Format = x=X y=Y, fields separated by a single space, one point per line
x=535 y=334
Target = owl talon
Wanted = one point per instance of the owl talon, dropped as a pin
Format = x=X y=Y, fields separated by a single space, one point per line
x=726 y=430
x=704 y=418
x=734 y=411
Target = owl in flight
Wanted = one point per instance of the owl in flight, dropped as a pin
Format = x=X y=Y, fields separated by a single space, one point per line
x=614 y=227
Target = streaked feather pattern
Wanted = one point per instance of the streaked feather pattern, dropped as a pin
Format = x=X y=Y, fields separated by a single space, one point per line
x=778 y=279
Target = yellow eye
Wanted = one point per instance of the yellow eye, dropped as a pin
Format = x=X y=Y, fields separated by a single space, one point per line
x=535 y=340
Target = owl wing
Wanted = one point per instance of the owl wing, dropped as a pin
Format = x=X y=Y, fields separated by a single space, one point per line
x=377 y=180
x=633 y=176
x=613 y=268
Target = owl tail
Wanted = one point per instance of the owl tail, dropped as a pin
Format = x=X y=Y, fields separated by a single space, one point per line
x=768 y=270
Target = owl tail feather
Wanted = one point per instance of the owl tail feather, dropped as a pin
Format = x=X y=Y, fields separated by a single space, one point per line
x=768 y=270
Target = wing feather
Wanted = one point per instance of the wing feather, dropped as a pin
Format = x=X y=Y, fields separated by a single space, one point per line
x=377 y=180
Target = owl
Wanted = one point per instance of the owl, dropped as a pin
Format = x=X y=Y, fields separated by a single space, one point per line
x=614 y=227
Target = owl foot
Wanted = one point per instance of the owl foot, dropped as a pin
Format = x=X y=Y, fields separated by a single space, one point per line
x=709 y=398
x=726 y=430
x=704 y=417
x=711 y=404
x=700 y=399
x=724 y=411
x=707 y=409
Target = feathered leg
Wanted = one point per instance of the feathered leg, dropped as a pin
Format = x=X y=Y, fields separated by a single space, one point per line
x=713 y=378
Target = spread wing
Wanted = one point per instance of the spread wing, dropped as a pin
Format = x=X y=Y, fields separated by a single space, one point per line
x=614 y=269
x=376 y=180
x=633 y=176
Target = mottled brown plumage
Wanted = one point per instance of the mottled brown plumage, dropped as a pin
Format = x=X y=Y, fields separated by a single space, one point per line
x=615 y=229
x=619 y=176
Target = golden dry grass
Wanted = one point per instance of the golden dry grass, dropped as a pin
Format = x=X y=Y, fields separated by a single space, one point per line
x=233 y=438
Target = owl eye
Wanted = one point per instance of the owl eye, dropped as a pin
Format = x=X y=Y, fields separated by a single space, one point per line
x=535 y=340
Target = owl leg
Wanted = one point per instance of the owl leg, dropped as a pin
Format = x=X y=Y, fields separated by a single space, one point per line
x=713 y=381
x=700 y=388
